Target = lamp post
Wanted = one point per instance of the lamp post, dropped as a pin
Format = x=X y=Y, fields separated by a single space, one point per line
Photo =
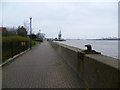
x=30 y=32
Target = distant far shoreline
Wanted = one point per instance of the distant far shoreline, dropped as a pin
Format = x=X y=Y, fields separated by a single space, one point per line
x=94 y=39
x=102 y=39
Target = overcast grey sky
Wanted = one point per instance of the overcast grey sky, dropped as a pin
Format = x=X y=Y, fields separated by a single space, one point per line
x=76 y=19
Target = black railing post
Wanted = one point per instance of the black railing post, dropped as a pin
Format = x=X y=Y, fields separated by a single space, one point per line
x=12 y=49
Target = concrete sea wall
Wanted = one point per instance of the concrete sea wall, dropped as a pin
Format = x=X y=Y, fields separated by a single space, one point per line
x=96 y=70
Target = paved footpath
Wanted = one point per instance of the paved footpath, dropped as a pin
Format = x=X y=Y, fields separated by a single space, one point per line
x=40 y=67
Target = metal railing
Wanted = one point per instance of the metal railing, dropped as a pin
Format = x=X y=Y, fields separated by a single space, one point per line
x=10 y=49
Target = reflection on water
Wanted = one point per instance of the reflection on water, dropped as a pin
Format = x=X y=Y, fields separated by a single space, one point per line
x=106 y=47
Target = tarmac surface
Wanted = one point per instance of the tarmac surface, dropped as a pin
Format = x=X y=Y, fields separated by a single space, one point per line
x=40 y=67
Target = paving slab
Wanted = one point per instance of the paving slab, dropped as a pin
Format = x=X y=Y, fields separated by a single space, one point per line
x=40 y=67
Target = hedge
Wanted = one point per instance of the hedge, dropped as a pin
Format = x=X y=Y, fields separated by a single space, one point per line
x=13 y=45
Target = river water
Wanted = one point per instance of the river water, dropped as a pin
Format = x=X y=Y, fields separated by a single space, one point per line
x=106 y=47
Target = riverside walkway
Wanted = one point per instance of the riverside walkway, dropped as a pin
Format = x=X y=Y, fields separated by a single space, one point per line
x=40 y=67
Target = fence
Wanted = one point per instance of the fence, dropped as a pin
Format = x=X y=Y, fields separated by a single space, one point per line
x=9 y=49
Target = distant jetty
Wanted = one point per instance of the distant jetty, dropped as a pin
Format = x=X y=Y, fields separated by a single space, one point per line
x=59 y=40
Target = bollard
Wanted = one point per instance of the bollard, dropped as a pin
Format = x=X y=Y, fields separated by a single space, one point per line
x=89 y=48
x=87 y=51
